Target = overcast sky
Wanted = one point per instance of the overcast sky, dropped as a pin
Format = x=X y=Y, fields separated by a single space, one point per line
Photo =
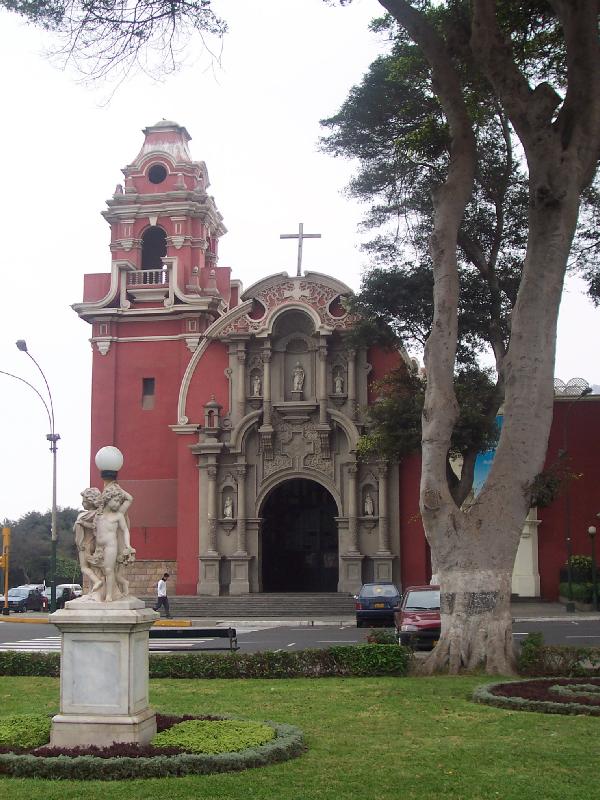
x=254 y=120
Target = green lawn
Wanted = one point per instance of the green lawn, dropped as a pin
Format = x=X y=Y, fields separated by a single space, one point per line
x=371 y=738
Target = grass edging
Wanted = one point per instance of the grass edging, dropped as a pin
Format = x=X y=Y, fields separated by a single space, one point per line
x=483 y=694
x=289 y=743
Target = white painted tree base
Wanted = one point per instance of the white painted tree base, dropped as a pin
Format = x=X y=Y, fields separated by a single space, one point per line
x=103 y=674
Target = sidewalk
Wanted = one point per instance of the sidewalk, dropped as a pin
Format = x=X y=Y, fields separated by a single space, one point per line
x=536 y=611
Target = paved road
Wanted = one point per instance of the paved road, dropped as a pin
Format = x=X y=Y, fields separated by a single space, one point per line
x=264 y=636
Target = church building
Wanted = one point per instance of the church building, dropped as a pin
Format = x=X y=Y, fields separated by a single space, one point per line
x=238 y=411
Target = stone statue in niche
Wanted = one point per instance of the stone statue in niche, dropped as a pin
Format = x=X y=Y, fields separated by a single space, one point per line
x=338 y=383
x=228 y=508
x=103 y=542
x=298 y=377
x=369 y=505
x=256 y=385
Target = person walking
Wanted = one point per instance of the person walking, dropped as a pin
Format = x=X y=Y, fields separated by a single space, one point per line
x=161 y=595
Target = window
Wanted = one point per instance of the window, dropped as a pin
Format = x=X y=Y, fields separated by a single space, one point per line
x=147 y=393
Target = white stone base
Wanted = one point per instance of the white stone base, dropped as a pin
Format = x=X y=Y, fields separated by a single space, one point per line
x=350 y=573
x=103 y=673
x=70 y=730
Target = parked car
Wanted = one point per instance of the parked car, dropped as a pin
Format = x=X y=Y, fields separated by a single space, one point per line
x=375 y=604
x=418 y=619
x=76 y=590
x=21 y=599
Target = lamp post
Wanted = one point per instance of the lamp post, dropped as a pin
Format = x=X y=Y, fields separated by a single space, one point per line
x=53 y=438
x=592 y=535
x=570 y=605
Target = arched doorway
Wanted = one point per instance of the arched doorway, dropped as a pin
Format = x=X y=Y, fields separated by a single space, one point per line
x=299 y=548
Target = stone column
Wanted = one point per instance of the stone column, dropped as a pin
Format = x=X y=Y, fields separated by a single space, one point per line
x=352 y=510
x=209 y=560
x=382 y=560
x=241 y=471
x=322 y=381
x=241 y=378
x=352 y=382
x=240 y=583
x=267 y=402
x=351 y=560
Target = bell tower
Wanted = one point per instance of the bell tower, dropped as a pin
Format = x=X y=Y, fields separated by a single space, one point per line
x=163 y=216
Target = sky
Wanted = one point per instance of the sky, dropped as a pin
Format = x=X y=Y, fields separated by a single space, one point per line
x=254 y=119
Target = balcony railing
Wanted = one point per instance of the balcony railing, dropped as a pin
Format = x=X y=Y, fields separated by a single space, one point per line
x=148 y=277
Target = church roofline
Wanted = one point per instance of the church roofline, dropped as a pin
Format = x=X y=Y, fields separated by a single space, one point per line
x=312 y=277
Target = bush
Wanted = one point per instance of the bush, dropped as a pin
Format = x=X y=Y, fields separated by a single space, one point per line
x=288 y=742
x=214 y=736
x=342 y=661
x=24 y=731
x=381 y=636
x=582 y=592
x=542 y=660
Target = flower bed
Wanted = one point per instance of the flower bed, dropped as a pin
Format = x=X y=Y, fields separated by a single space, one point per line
x=545 y=695
x=274 y=742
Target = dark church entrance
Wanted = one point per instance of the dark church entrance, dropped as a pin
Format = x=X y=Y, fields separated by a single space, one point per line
x=299 y=539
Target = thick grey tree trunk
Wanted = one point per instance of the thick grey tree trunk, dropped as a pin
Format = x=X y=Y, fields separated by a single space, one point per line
x=474 y=550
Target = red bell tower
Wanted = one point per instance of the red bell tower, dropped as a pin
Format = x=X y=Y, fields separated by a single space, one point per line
x=148 y=316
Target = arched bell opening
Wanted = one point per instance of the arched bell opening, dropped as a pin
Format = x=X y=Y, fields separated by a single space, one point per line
x=154 y=247
x=299 y=539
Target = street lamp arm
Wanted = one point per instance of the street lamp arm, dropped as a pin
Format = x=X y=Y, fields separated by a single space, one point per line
x=41 y=371
x=16 y=377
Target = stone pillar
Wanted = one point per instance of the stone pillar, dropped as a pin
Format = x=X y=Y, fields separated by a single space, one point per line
x=352 y=510
x=210 y=559
x=382 y=560
x=351 y=560
x=103 y=674
x=526 y=575
x=241 y=378
x=241 y=471
x=352 y=383
x=322 y=381
x=267 y=401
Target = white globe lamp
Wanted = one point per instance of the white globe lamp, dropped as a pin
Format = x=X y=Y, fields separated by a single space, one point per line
x=109 y=461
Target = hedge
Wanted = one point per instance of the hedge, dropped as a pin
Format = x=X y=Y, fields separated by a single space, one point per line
x=484 y=694
x=343 y=661
x=542 y=660
x=289 y=743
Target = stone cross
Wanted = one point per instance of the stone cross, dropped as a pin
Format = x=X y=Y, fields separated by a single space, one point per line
x=300 y=236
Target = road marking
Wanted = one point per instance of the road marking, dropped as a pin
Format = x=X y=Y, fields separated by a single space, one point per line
x=583 y=636
x=291 y=644
x=51 y=644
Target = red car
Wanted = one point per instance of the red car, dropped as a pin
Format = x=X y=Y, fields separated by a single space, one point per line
x=418 y=619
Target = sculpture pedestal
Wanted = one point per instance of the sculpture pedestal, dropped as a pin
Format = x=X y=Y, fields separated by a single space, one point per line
x=240 y=583
x=103 y=674
x=351 y=573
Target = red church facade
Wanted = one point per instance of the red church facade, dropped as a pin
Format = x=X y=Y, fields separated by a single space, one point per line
x=238 y=412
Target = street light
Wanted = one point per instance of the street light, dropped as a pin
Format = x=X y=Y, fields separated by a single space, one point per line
x=592 y=535
x=570 y=605
x=53 y=438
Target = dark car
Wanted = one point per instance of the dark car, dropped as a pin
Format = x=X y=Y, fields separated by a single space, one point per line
x=418 y=619
x=21 y=600
x=375 y=604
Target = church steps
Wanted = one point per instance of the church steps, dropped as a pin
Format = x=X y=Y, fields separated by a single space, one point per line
x=263 y=606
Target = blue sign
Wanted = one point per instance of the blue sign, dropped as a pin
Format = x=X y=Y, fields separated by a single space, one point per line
x=483 y=463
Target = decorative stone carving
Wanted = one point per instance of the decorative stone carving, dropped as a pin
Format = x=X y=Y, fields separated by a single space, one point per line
x=103 y=346
x=298 y=377
x=228 y=508
x=369 y=505
x=256 y=385
x=103 y=544
x=338 y=383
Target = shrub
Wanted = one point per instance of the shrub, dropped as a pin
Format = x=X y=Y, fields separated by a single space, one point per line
x=24 y=730
x=381 y=636
x=582 y=592
x=210 y=736
x=539 y=659
x=342 y=661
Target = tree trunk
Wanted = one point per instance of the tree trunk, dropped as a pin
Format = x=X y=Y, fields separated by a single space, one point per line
x=476 y=622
